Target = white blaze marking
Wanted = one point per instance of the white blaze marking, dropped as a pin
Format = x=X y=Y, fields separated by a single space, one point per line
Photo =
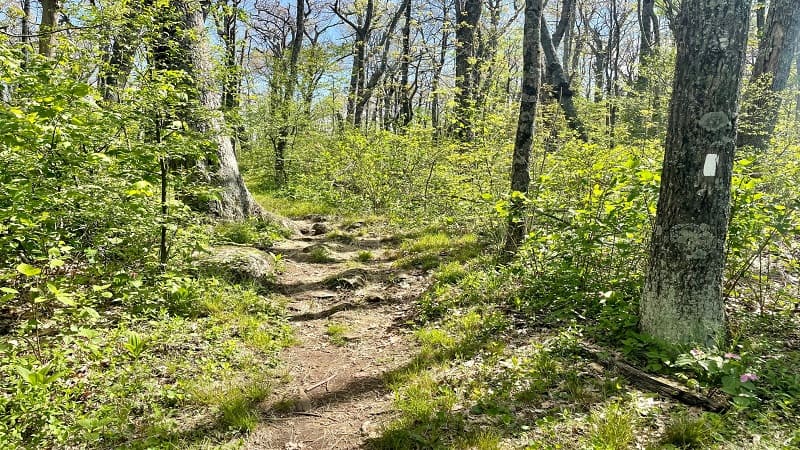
x=710 y=167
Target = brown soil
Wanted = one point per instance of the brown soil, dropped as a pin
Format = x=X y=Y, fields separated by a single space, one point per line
x=334 y=395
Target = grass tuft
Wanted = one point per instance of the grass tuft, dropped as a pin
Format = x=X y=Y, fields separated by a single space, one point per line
x=365 y=256
x=612 y=427
x=320 y=255
x=336 y=333
x=687 y=431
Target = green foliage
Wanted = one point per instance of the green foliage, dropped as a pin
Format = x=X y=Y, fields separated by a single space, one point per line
x=365 y=256
x=320 y=254
x=99 y=343
x=408 y=176
x=252 y=232
x=135 y=345
x=688 y=431
x=337 y=333
x=612 y=427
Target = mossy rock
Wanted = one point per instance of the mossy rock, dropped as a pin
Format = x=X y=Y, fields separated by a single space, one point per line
x=238 y=264
x=349 y=279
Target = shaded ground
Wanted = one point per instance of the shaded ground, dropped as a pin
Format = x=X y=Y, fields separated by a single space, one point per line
x=349 y=308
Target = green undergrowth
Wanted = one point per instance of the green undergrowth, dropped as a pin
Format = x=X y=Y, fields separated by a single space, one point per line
x=432 y=247
x=502 y=363
x=181 y=379
x=255 y=233
x=293 y=208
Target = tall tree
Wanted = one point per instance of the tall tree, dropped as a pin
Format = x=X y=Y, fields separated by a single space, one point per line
x=368 y=87
x=119 y=59
x=468 y=17
x=776 y=51
x=227 y=22
x=561 y=89
x=25 y=26
x=47 y=27
x=649 y=37
x=406 y=111
x=520 y=166
x=682 y=299
x=285 y=129
x=438 y=65
x=235 y=200
x=362 y=28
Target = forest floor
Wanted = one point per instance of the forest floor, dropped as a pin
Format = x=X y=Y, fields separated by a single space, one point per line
x=349 y=306
x=406 y=341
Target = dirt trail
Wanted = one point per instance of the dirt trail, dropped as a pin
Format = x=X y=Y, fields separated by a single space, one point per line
x=336 y=396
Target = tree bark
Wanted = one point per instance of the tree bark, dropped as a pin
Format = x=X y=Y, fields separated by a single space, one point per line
x=406 y=110
x=47 y=35
x=235 y=201
x=761 y=13
x=468 y=16
x=526 y=125
x=776 y=51
x=682 y=299
x=25 y=27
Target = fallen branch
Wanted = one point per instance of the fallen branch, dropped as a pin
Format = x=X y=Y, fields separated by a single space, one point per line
x=320 y=383
x=653 y=383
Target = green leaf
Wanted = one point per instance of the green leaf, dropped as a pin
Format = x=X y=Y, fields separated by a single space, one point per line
x=63 y=297
x=28 y=270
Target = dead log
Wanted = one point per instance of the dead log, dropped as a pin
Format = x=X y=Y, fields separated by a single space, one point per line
x=653 y=383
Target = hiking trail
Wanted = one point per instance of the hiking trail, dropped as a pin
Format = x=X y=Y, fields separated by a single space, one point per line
x=349 y=311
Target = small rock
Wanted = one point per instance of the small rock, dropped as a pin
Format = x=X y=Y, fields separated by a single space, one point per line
x=321 y=248
x=374 y=297
x=349 y=279
x=370 y=429
x=354 y=226
x=319 y=228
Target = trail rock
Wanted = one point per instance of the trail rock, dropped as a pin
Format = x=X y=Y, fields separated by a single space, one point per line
x=237 y=264
x=319 y=228
x=349 y=279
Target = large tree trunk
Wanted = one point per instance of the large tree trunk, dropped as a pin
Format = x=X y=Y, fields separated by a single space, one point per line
x=406 y=110
x=47 y=35
x=682 y=299
x=25 y=26
x=468 y=16
x=776 y=50
x=235 y=200
x=520 y=166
